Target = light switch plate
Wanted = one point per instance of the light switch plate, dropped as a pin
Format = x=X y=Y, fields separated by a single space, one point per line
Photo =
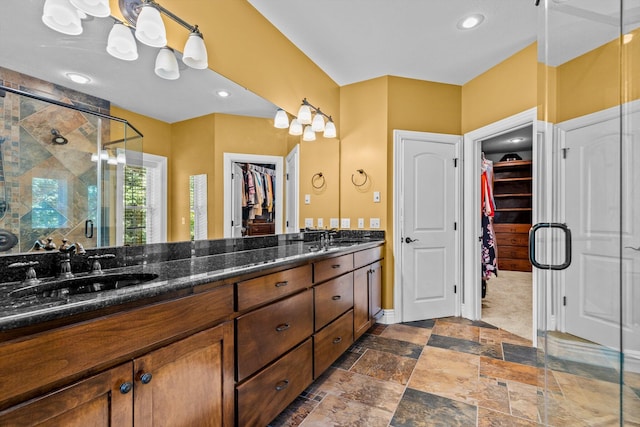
x=308 y=222
x=320 y=222
x=333 y=222
x=345 y=223
x=374 y=222
x=307 y=199
x=376 y=197
x=360 y=222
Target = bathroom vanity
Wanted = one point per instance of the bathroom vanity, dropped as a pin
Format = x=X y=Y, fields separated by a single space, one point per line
x=199 y=345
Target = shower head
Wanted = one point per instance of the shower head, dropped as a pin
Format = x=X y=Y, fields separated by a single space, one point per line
x=57 y=138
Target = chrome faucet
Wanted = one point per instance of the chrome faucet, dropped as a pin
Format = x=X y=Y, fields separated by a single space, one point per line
x=65 y=257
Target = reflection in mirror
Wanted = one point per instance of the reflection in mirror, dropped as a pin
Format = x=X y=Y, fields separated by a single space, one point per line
x=198 y=206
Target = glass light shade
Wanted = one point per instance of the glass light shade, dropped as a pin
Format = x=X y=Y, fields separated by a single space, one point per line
x=61 y=16
x=309 y=134
x=295 y=128
x=195 y=52
x=121 y=157
x=167 y=64
x=104 y=155
x=112 y=160
x=318 y=123
x=98 y=8
x=281 y=120
x=121 y=43
x=329 y=130
x=150 y=27
x=304 y=115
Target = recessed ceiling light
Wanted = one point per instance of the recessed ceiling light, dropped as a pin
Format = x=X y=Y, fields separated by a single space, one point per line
x=514 y=140
x=78 y=78
x=223 y=93
x=470 y=21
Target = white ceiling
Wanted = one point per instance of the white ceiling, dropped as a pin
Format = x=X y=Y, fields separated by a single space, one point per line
x=351 y=40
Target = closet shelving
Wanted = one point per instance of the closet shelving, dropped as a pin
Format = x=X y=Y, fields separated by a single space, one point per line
x=512 y=192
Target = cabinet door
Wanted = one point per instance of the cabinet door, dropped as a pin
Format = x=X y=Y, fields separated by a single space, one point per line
x=103 y=400
x=375 y=290
x=187 y=383
x=361 y=317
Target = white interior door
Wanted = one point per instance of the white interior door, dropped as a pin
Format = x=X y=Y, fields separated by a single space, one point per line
x=602 y=207
x=292 y=174
x=429 y=254
x=236 y=201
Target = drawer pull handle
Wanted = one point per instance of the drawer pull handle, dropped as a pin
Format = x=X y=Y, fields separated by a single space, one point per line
x=335 y=266
x=282 y=327
x=126 y=387
x=336 y=297
x=281 y=284
x=337 y=340
x=282 y=385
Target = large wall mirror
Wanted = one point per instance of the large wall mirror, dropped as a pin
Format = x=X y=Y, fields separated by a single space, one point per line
x=202 y=127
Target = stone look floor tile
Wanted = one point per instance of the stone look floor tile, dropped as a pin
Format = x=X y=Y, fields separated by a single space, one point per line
x=407 y=333
x=397 y=347
x=489 y=418
x=334 y=411
x=385 y=366
x=417 y=409
x=295 y=413
x=456 y=330
x=499 y=369
x=361 y=388
x=523 y=400
x=466 y=346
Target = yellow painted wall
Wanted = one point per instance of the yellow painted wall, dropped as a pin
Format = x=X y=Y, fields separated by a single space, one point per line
x=504 y=90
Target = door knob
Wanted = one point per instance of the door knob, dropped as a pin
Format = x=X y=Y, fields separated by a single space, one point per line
x=410 y=240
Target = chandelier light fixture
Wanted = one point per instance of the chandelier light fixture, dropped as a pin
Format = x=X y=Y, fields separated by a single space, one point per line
x=144 y=20
x=309 y=120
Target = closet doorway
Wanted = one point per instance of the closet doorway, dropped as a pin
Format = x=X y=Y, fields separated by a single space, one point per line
x=239 y=219
x=506 y=198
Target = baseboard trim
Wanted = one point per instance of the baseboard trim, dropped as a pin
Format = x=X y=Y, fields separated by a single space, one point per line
x=388 y=317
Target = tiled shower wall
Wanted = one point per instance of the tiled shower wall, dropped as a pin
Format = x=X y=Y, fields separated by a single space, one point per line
x=28 y=152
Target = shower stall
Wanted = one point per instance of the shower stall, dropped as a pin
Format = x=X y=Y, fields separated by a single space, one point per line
x=62 y=167
x=587 y=246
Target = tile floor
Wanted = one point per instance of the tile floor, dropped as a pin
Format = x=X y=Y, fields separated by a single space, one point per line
x=454 y=372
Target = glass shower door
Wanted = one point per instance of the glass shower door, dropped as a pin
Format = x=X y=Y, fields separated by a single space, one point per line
x=590 y=339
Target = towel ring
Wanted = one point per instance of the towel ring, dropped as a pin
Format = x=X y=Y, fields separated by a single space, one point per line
x=361 y=172
x=317 y=177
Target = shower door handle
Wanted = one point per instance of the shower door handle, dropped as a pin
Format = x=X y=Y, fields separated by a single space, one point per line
x=567 y=246
x=88 y=229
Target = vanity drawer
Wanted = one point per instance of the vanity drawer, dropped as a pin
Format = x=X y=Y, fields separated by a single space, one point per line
x=366 y=257
x=329 y=268
x=264 y=396
x=331 y=342
x=333 y=298
x=268 y=332
x=272 y=286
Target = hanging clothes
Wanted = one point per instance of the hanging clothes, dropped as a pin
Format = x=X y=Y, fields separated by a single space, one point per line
x=257 y=190
x=489 y=255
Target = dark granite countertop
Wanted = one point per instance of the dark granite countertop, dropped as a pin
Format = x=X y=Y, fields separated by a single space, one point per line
x=174 y=275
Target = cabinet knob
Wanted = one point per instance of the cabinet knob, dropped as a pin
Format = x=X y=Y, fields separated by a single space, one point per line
x=281 y=284
x=282 y=385
x=336 y=297
x=146 y=378
x=282 y=327
x=337 y=340
x=126 y=387
x=335 y=266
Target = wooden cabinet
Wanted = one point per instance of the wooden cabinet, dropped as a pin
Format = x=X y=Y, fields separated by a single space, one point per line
x=512 y=190
x=273 y=286
x=332 y=298
x=367 y=290
x=331 y=342
x=260 y=228
x=332 y=267
x=105 y=399
x=181 y=384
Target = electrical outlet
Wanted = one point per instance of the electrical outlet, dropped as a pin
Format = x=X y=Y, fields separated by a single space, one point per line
x=376 y=197
x=374 y=222
x=333 y=222
x=307 y=199
x=308 y=222
x=345 y=223
x=360 y=222
x=320 y=222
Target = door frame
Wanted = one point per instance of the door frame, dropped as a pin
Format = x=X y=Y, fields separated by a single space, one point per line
x=396 y=315
x=228 y=160
x=471 y=305
x=292 y=225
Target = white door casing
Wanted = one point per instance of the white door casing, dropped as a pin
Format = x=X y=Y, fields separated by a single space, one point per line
x=292 y=173
x=236 y=200
x=601 y=172
x=426 y=202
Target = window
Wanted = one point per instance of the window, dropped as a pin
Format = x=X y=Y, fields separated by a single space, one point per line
x=49 y=203
x=142 y=183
